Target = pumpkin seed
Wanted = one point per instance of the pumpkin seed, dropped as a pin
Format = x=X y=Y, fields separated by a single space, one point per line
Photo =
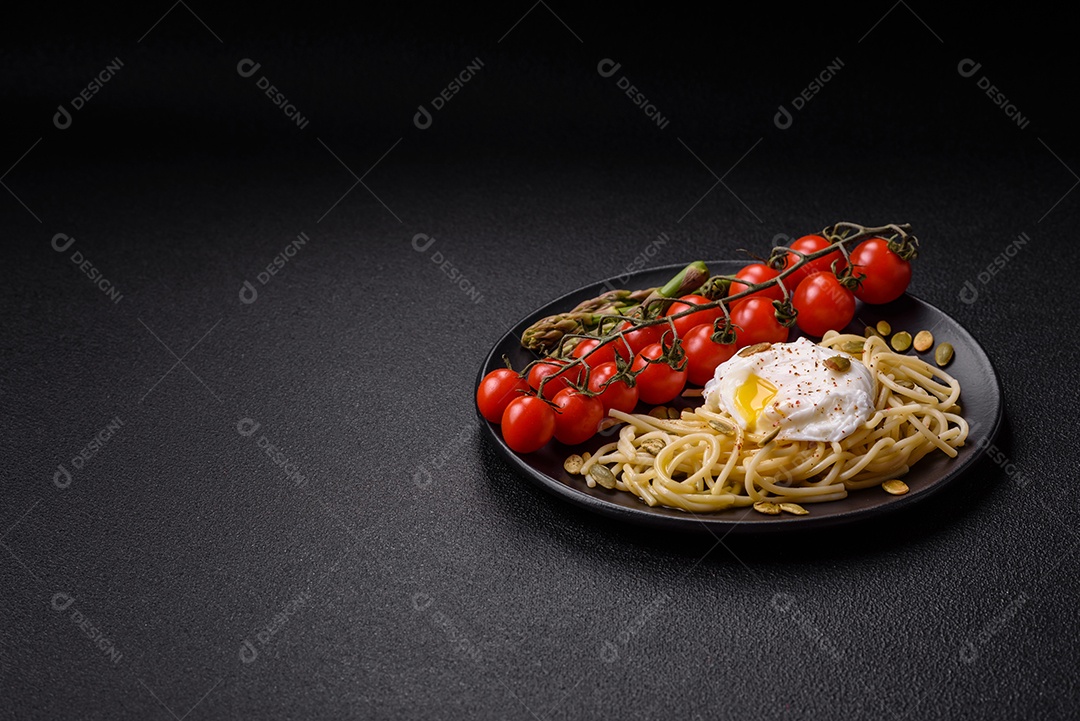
x=896 y=488
x=837 y=363
x=924 y=341
x=943 y=354
x=904 y=383
x=573 y=464
x=652 y=446
x=794 y=508
x=770 y=509
x=854 y=347
x=883 y=327
x=869 y=331
x=659 y=412
x=608 y=423
x=752 y=349
x=723 y=427
x=901 y=341
x=673 y=413
x=602 y=476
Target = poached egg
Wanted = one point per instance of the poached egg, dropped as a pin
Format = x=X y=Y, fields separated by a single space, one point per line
x=789 y=387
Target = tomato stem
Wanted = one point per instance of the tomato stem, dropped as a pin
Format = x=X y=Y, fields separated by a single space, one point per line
x=899 y=237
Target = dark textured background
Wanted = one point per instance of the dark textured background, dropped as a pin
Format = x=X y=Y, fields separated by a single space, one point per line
x=478 y=594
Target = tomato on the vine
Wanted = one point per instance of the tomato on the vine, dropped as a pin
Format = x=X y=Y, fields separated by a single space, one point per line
x=528 y=423
x=657 y=382
x=757 y=323
x=688 y=302
x=496 y=390
x=758 y=273
x=592 y=356
x=553 y=367
x=823 y=304
x=887 y=274
x=703 y=355
x=810 y=244
x=579 y=418
x=638 y=338
x=617 y=395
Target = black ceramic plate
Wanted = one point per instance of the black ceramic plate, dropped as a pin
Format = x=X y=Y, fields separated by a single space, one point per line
x=980 y=399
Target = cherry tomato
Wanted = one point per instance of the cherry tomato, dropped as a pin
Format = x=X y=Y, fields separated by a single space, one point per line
x=687 y=302
x=496 y=390
x=552 y=367
x=810 y=244
x=580 y=417
x=703 y=355
x=756 y=319
x=527 y=424
x=823 y=304
x=658 y=382
x=641 y=337
x=593 y=358
x=759 y=273
x=887 y=274
x=617 y=395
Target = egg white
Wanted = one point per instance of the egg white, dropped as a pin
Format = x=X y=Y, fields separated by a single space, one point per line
x=812 y=402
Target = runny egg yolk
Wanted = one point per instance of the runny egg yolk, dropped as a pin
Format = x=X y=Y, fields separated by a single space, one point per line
x=752 y=397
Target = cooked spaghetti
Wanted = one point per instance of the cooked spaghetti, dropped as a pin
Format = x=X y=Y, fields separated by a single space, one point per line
x=704 y=461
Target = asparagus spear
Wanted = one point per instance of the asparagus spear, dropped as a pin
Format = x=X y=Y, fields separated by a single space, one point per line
x=545 y=334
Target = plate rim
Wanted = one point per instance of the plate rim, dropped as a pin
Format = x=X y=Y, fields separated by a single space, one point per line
x=647 y=516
